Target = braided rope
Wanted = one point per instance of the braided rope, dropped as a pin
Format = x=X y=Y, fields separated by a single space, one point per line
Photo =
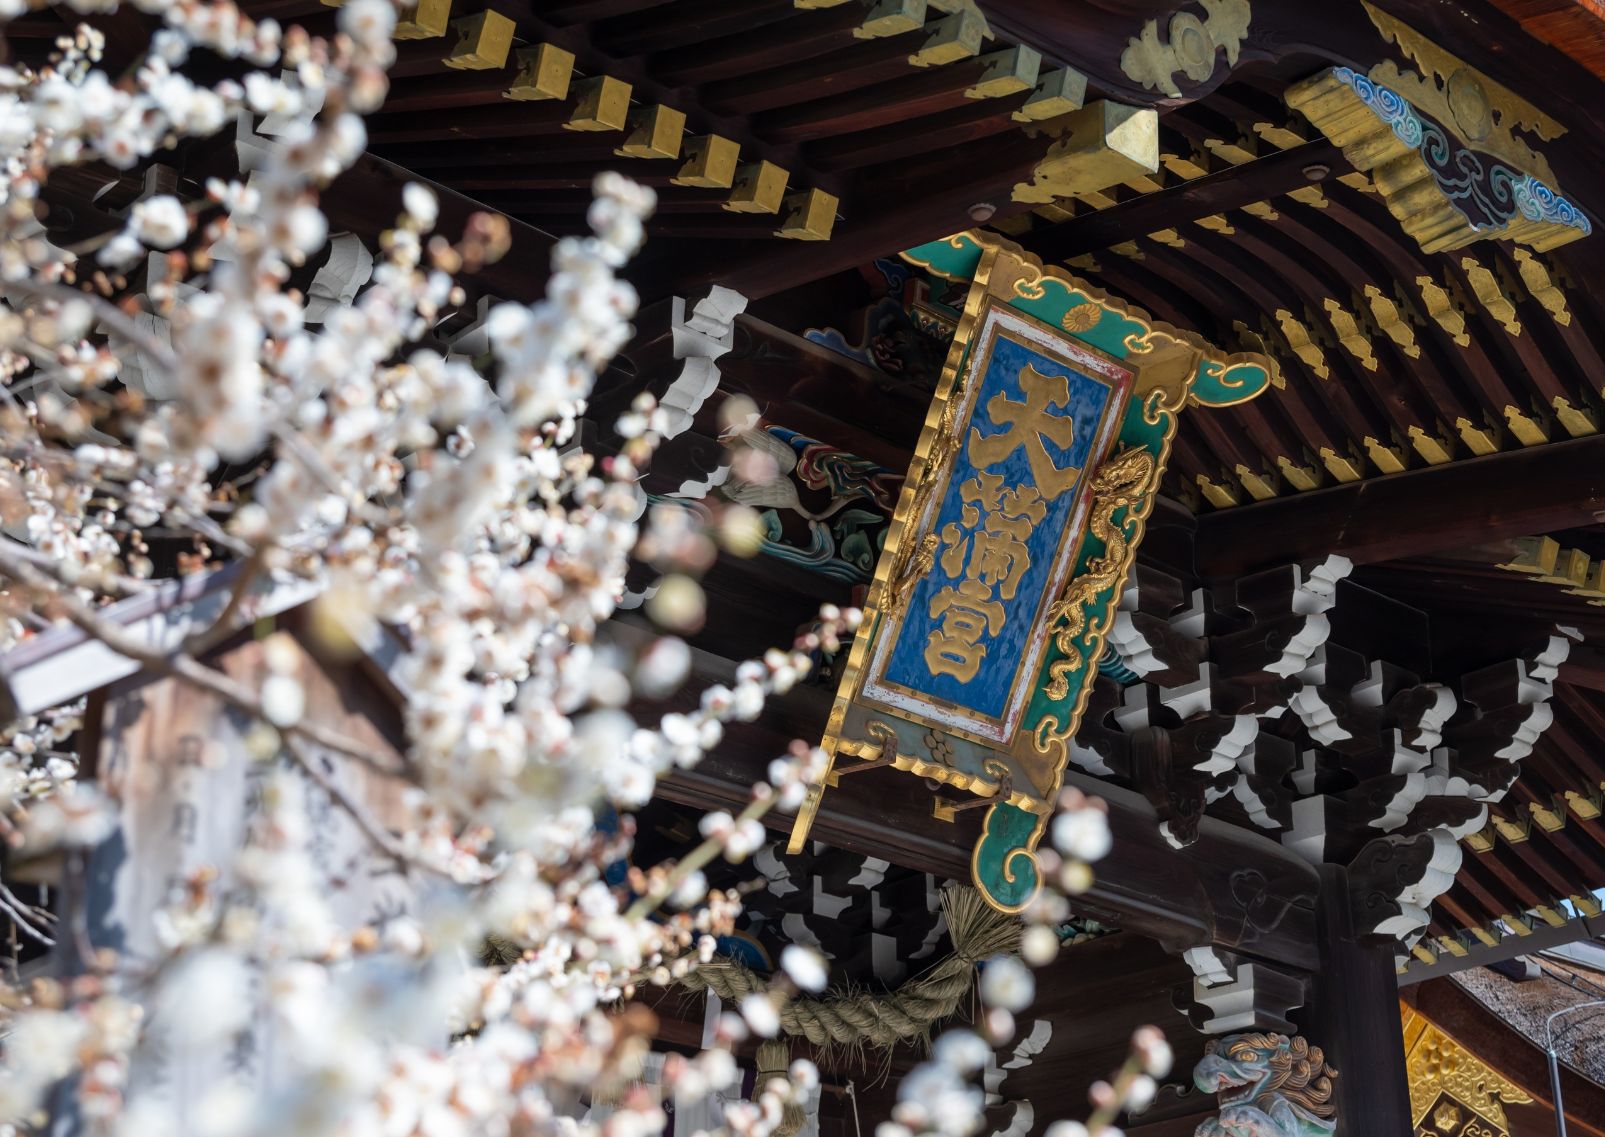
x=855 y=1019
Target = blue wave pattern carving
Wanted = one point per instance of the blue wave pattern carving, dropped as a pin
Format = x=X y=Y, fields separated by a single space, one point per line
x=1112 y=665
x=1488 y=195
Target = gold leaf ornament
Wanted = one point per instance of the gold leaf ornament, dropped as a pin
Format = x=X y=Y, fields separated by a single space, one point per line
x=1190 y=45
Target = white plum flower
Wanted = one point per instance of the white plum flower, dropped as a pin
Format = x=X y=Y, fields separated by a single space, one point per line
x=1007 y=983
x=160 y=221
x=805 y=967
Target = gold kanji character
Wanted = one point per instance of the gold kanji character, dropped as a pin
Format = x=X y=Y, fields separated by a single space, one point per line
x=1028 y=423
x=989 y=542
x=966 y=612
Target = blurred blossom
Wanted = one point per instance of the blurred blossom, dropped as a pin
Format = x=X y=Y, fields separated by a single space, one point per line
x=1039 y=945
x=1066 y=1129
x=759 y=1011
x=1007 y=983
x=445 y=514
x=964 y=1052
x=678 y=604
x=741 y=531
x=1081 y=830
x=805 y=967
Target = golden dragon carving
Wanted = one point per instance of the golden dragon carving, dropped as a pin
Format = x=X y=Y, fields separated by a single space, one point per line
x=1120 y=482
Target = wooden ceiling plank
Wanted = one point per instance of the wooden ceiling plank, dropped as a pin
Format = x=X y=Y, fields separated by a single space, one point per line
x=685 y=23
x=1358 y=419
x=900 y=141
x=706 y=206
x=1473 y=885
x=563 y=176
x=1585 y=870
x=1582 y=725
x=1538 y=855
x=1187 y=201
x=1568 y=344
x=1409 y=266
x=284 y=11
x=372 y=190
x=1304 y=430
x=782 y=44
x=513 y=120
x=900 y=100
x=1500 y=877
x=1517 y=354
x=1584 y=667
x=1130 y=279
x=585 y=11
x=853 y=65
x=451 y=90
x=891 y=207
x=1396 y=405
x=1510 y=494
x=650 y=88
x=1551 y=762
x=1181 y=473
x=1433 y=376
x=1464 y=912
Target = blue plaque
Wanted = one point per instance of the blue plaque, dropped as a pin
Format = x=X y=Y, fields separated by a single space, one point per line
x=1007 y=509
x=1031 y=483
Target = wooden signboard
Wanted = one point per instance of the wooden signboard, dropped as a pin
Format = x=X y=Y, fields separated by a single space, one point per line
x=189 y=791
x=1037 y=466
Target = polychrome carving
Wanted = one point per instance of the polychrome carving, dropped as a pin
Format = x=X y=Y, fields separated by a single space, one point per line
x=1269 y=1085
x=1490 y=195
x=1443 y=147
x=1037 y=466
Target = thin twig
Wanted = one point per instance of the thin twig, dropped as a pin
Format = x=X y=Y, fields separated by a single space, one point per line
x=15 y=908
x=230 y=690
x=115 y=583
x=375 y=832
x=198 y=643
x=110 y=315
x=1103 y=1117
x=236 y=693
x=304 y=453
x=694 y=860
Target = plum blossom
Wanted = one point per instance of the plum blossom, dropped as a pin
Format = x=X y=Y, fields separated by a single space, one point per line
x=173 y=405
x=160 y=221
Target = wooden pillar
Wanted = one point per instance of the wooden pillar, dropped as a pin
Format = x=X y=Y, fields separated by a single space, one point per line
x=1353 y=1014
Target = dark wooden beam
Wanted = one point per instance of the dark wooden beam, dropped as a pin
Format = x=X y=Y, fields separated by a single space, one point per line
x=1224 y=190
x=1232 y=888
x=367 y=199
x=1353 y=1015
x=893 y=206
x=1516 y=493
x=1584 y=667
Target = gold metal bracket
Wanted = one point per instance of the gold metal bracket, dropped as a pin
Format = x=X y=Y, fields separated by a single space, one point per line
x=945 y=810
x=887 y=755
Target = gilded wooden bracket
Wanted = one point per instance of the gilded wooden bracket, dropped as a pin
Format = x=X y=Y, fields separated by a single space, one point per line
x=1100 y=145
x=544 y=72
x=1190 y=47
x=427 y=20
